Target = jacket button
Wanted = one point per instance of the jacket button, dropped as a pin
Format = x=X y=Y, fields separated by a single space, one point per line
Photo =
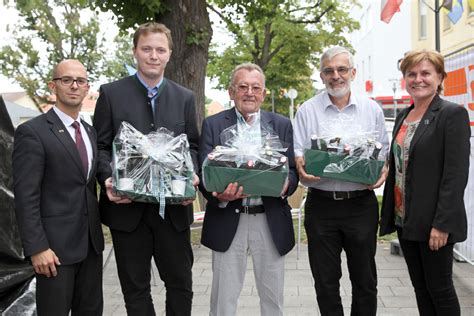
x=236 y=210
x=152 y=125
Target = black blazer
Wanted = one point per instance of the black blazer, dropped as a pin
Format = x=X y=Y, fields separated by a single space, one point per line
x=220 y=224
x=436 y=175
x=126 y=100
x=56 y=205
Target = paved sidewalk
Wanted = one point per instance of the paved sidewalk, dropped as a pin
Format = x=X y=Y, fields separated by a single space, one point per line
x=395 y=293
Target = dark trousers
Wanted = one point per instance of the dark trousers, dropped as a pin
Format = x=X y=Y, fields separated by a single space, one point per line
x=154 y=238
x=331 y=226
x=76 y=288
x=431 y=274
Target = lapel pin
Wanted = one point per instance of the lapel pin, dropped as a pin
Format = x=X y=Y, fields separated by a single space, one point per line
x=61 y=131
x=427 y=122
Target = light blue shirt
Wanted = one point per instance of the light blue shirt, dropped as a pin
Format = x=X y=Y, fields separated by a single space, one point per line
x=313 y=114
x=152 y=92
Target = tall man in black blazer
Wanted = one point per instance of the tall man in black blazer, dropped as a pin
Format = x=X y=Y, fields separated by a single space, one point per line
x=54 y=165
x=234 y=223
x=147 y=100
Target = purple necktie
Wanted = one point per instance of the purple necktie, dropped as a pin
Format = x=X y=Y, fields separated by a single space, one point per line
x=81 y=146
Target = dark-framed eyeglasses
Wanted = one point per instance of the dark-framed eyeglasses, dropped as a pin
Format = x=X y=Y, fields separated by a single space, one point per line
x=243 y=88
x=68 y=81
x=340 y=70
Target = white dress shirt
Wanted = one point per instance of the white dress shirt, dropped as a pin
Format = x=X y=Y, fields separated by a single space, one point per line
x=313 y=114
x=67 y=121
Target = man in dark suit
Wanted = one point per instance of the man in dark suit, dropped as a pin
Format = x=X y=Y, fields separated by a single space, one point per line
x=147 y=100
x=54 y=165
x=235 y=223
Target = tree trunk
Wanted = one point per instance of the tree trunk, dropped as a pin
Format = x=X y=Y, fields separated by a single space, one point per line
x=191 y=30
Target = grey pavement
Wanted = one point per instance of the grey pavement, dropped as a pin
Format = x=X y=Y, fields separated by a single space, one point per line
x=395 y=293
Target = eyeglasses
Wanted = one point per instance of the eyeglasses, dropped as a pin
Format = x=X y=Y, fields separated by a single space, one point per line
x=340 y=70
x=243 y=88
x=68 y=81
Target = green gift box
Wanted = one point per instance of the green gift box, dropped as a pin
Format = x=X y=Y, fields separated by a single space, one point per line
x=349 y=168
x=255 y=182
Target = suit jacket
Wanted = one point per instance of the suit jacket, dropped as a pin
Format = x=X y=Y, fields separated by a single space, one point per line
x=56 y=204
x=436 y=175
x=126 y=100
x=220 y=224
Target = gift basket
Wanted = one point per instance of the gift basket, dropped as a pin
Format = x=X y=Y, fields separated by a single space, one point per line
x=153 y=168
x=252 y=157
x=344 y=151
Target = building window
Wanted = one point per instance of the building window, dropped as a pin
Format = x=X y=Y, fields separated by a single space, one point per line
x=423 y=17
x=370 y=18
x=369 y=67
x=363 y=71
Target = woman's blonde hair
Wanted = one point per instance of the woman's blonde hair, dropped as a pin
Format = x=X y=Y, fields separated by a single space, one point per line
x=415 y=57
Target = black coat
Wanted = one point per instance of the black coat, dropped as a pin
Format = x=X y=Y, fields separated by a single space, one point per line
x=436 y=175
x=126 y=100
x=56 y=205
x=220 y=224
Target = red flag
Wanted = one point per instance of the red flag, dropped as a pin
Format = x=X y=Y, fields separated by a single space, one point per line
x=389 y=8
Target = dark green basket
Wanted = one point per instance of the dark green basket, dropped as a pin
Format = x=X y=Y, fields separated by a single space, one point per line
x=255 y=182
x=361 y=170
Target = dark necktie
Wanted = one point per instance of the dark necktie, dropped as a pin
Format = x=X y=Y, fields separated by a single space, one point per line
x=81 y=146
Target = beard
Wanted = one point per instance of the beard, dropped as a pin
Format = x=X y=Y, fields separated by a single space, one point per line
x=339 y=92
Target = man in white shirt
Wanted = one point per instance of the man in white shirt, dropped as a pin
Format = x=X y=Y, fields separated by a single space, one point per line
x=338 y=214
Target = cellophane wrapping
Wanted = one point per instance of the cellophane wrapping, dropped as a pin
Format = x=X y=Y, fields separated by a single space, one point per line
x=345 y=151
x=152 y=168
x=252 y=157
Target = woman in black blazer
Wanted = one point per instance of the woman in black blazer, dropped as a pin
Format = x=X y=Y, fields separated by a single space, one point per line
x=424 y=191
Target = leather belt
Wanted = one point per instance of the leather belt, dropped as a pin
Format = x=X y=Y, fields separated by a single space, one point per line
x=339 y=195
x=252 y=209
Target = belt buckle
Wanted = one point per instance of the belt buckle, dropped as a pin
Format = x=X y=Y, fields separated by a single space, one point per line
x=334 y=196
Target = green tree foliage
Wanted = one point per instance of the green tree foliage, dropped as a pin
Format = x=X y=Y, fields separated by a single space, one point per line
x=284 y=37
x=131 y=13
x=48 y=32
x=116 y=58
x=191 y=30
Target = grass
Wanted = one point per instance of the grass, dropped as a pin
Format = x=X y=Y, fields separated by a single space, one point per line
x=196 y=233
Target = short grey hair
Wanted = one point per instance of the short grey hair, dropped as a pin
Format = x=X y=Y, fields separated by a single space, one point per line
x=333 y=51
x=248 y=67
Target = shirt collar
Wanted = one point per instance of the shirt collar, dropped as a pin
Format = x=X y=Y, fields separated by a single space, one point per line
x=66 y=119
x=328 y=103
x=151 y=90
x=241 y=120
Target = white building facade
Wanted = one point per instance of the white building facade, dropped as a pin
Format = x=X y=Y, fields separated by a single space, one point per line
x=378 y=47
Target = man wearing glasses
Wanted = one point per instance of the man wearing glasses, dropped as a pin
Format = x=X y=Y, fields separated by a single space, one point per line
x=340 y=215
x=54 y=166
x=236 y=224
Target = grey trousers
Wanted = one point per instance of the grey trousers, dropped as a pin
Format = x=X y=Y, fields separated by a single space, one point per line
x=252 y=237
